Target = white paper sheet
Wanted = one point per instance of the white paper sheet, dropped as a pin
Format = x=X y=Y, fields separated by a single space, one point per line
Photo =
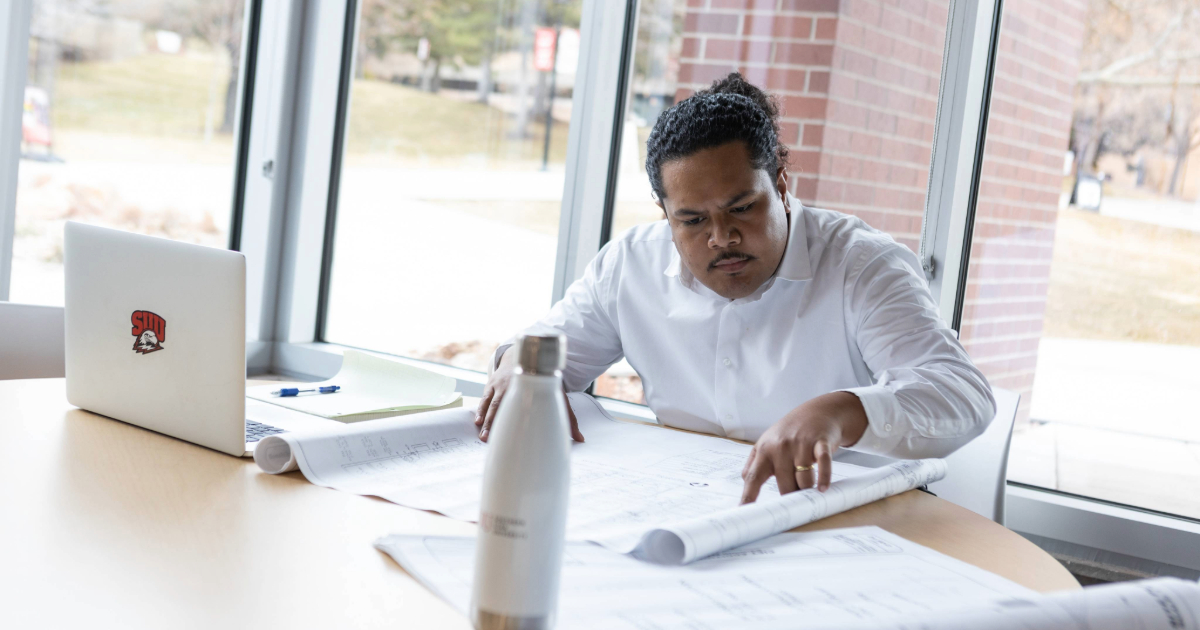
x=369 y=384
x=1158 y=604
x=686 y=541
x=626 y=479
x=825 y=579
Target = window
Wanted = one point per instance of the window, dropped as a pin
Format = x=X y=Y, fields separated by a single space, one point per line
x=129 y=115
x=1083 y=287
x=858 y=84
x=452 y=175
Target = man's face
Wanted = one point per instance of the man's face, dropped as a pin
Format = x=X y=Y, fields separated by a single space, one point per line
x=728 y=220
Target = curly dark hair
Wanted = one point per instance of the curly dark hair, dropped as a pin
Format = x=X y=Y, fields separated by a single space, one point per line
x=731 y=109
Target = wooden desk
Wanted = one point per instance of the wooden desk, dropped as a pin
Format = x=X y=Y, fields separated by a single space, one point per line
x=103 y=524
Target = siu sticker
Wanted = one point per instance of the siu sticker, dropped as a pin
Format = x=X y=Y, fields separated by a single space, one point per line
x=149 y=331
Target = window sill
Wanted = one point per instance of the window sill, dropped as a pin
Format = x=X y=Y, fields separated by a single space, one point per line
x=320 y=360
x=1105 y=527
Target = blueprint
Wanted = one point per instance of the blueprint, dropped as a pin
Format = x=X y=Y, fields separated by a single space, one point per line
x=687 y=540
x=626 y=479
x=1157 y=604
x=857 y=577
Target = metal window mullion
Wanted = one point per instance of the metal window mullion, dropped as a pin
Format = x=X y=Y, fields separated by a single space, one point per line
x=593 y=143
x=959 y=133
x=306 y=211
x=266 y=170
x=247 y=71
x=14 y=56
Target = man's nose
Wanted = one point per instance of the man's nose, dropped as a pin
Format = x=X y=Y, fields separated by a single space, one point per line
x=723 y=235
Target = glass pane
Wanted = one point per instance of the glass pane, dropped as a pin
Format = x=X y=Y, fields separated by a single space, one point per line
x=452 y=178
x=1083 y=290
x=858 y=82
x=128 y=123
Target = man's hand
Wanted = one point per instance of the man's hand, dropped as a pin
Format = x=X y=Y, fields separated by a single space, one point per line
x=494 y=391
x=808 y=435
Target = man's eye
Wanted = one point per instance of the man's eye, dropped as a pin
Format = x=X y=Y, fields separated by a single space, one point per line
x=742 y=208
x=695 y=221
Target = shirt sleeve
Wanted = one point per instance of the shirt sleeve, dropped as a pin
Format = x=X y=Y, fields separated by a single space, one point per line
x=928 y=398
x=587 y=316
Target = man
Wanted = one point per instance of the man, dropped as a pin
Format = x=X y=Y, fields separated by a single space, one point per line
x=750 y=316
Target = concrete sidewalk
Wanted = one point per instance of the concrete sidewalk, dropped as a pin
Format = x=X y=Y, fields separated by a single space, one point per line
x=1116 y=421
x=1142 y=388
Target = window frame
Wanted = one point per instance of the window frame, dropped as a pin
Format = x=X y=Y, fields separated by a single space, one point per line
x=1087 y=524
x=606 y=32
x=14 y=48
x=960 y=132
x=14 y=45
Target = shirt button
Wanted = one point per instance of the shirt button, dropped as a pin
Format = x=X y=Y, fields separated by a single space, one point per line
x=887 y=427
x=728 y=416
x=728 y=362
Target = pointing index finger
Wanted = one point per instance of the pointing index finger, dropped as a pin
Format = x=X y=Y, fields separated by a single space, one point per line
x=825 y=465
x=759 y=474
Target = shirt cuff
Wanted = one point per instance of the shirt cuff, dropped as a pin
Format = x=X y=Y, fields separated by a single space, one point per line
x=886 y=426
x=499 y=352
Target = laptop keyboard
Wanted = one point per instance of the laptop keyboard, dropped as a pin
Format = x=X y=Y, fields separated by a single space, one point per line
x=256 y=431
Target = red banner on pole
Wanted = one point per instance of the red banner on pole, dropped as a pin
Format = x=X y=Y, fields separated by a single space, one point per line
x=543 y=49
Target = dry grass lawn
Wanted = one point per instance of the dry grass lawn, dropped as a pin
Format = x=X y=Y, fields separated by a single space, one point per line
x=1123 y=280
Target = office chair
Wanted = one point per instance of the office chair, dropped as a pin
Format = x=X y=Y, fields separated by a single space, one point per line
x=978 y=472
x=31 y=341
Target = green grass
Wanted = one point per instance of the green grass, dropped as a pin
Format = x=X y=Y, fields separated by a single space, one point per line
x=400 y=122
x=1123 y=280
x=166 y=96
x=148 y=95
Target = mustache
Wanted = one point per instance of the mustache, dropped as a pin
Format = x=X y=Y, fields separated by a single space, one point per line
x=728 y=256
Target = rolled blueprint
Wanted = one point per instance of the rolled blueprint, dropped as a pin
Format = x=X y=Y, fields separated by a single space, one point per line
x=275 y=454
x=1158 y=604
x=697 y=538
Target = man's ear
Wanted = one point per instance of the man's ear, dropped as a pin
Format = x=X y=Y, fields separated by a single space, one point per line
x=658 y=202
x=781 y=186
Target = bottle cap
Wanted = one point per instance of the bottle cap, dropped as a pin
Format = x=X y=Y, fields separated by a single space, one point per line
x=544 y=354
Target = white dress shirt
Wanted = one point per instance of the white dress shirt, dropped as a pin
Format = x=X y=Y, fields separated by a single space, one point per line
x=847 y=310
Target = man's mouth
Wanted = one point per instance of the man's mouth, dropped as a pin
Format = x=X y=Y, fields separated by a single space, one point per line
x=731 y=264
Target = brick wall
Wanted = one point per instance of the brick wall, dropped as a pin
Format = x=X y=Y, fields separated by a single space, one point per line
x=1028 y=127
x=858 y=80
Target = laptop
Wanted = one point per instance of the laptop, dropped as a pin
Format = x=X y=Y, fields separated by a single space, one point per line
x=156 y=337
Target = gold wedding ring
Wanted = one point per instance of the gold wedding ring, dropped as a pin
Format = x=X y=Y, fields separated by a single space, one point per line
x=803 y=468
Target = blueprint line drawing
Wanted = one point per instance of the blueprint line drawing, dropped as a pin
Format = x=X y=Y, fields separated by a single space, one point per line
x=626 y=480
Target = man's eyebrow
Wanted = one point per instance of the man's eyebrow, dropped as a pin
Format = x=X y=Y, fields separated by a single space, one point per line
x=728 y=204
x=736 y=198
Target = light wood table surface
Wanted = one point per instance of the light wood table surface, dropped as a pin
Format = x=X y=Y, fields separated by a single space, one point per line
x=104 y=524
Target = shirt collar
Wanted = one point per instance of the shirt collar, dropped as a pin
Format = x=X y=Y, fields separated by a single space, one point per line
x=794 y=266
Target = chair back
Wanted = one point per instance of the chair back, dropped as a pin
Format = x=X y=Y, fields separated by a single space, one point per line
x=31 y=341
x=977 y=473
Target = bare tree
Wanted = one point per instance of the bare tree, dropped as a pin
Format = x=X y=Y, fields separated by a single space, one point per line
x=1183 y=130
x=219 y=24
x=1141 y=74
x=455 y=31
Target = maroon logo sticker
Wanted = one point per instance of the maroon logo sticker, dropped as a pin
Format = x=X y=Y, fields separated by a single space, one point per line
x=149 y=331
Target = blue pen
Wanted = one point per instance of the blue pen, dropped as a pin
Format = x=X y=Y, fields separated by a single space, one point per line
x=292 y=391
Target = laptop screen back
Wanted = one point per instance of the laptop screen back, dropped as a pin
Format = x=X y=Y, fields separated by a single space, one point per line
x=155 y=334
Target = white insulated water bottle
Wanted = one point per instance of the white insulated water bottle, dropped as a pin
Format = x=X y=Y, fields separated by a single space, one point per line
x=523 y=511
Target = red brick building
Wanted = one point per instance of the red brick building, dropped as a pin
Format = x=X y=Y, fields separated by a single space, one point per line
x=858 y=80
